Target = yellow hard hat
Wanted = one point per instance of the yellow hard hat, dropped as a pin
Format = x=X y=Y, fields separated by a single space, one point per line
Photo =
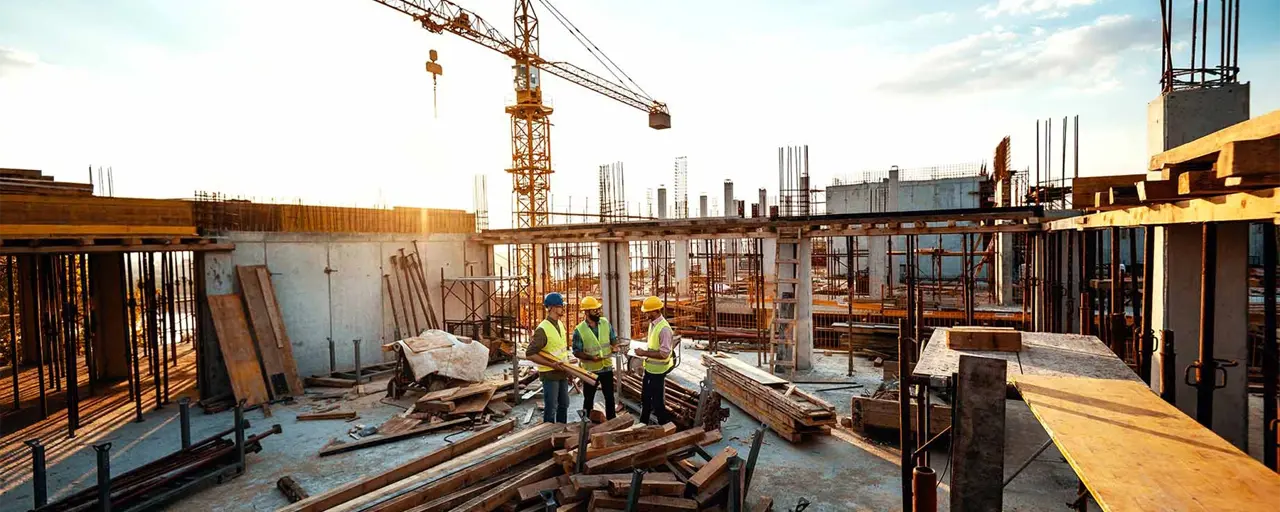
x=651 y=303
x=589 y=303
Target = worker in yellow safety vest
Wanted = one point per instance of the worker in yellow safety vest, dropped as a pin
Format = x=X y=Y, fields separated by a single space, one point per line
x=657 y=362
x=548 y=340
x=594 y=343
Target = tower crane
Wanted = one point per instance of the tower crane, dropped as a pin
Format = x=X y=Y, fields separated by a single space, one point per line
x=530 y=130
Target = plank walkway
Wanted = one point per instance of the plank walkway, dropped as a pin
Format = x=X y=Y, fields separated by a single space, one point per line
x=1043 y=353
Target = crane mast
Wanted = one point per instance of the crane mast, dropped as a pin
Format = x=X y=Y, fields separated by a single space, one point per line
x=530 y=129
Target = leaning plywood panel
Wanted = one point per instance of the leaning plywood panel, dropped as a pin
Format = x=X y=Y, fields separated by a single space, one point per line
x=237 y=348
x=277 y=326
x=282 y=374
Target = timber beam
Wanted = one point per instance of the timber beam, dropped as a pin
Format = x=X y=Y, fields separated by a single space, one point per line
x=1254 y=205
x=974 y=220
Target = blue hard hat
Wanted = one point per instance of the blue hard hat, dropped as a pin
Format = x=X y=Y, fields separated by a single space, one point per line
x=553 y=299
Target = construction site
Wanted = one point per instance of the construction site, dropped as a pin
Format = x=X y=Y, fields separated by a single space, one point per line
x=962 y=336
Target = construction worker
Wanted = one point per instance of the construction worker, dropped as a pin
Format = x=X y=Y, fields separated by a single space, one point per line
x=657 y=362
x=593 y=344
x=549 y=341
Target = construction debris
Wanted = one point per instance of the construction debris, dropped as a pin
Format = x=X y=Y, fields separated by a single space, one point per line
x=789 y=411
x=291 y=489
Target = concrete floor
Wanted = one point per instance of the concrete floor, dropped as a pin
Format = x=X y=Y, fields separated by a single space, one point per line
x=843 y=471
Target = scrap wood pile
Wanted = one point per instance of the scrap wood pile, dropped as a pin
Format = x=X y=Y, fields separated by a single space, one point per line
x=1243 y=157
x=254 y=343
x=879 y=411
x=540 y=468
x=788 y=410
x=682 y=402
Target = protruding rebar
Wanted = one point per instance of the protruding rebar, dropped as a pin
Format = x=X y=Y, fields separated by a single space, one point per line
x=104 y=476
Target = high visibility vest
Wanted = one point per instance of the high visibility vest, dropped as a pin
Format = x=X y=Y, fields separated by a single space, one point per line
x=652 y=364
x=598 y=346
x=556 y=348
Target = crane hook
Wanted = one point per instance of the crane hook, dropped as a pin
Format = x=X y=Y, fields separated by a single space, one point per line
x=434 y=68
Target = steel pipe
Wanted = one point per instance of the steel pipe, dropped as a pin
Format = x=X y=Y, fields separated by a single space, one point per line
x=184 y=421
x=1206 y=367
x=924 y=493
x=39 y=482
x=104 y=476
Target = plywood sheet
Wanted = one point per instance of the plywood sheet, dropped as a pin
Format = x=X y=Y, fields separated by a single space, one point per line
x=1043 y=353
x=237 y=348
x=282 y=376
x=1136 y=452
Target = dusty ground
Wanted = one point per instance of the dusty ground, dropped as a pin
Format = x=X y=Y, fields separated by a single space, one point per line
x=844 y=471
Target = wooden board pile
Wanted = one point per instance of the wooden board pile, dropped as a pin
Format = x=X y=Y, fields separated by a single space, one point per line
x=1000 y=339
x=682 y=401
x=500 y=468
x=1240 y=158
x=253 y=340
x=788 y=410
x=34 y=182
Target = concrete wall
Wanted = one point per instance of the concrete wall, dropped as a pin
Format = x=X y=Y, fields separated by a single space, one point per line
x=329 y=286
x=1178 y=117
x=895 y=195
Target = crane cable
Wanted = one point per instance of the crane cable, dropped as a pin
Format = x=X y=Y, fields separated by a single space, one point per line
x=594 y=50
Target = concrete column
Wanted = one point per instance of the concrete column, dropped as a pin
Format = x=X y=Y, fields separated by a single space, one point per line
x=680 y=250
x=110 y=333
x=1175 y=307
x=615 y=285
x=804 y=307
x=769 y=259
x=702 y=205
x=730 y=208
x=877 y=263
x=764 y=204
x=662 y=202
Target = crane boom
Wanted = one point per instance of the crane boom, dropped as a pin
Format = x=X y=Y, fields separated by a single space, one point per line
x=440 y=16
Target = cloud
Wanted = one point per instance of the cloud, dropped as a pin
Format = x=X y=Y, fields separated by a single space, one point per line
x=1045 y=8
x=934 y=18
x=13 y=61
x=1080 y=58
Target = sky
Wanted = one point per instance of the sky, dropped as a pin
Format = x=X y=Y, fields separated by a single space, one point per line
x=327 y=101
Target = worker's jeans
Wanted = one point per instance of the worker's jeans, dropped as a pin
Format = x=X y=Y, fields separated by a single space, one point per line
x=605 y=381
x=555 y=401
x=653 y=398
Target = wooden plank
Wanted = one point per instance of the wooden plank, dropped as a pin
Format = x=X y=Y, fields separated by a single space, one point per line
x=452 y=500
x=1042 y=354
x=1259 y=157
x=624 y=459
x=457 y=474
x=983 y=338
x=588 y=483
x=717 y=466
x=8 y=230
x=336 y=448
x=977 y=450
x=237 y=348
x=619 y=422
x=750 y=372
x=509 y=490
x=367 y=485
x=278 y=382
x=1157 y=190
x=474 y=403
x=1084 y=187
x=532 y=490
x=332 y=415
x=1204 y=149
x=602 y=499
x=635 y=435
x=277 y=325
x=1134 y=451
x=1123 y=196
x=661 y=484
x=874 y=413
x=1205 y=183
x=330 y=382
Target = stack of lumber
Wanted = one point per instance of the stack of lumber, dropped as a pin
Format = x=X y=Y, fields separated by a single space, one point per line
x=463 y=401
x=501 y=468
x=682 y=402
x=873 y=415
x=788 y=410
x=34 y=182
x=1243 y=157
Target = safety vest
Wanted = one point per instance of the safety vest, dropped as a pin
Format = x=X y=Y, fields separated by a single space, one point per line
x=652 y=364
x=556 y=348
x=596 y=345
